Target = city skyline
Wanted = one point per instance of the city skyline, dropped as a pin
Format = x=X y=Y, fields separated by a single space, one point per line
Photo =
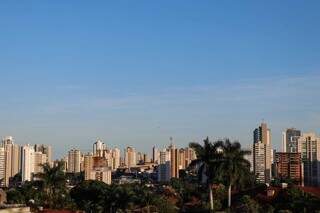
x=277 y=145
x=159 y=106
x=138 y=73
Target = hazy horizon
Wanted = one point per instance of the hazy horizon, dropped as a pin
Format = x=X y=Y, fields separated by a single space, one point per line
x=137 y=73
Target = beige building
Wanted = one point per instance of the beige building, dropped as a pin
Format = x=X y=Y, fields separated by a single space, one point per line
x=190 y=155
x=96 y=168
x=74 y=161
x=155 y=155
x=262 y=153
x=309 y=147
x=12 y=158
x=101 y=174
x=45 y=149
x=130 y=157
x=181 y=159
x=116 y=158
x=39 y=160
x=88 y=166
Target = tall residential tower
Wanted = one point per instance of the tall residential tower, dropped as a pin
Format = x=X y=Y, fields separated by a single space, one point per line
x=262 y=153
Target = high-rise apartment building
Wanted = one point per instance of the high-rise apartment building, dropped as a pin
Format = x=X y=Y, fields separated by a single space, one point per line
x=262 y=153
x=27 y=163
x=101 y=174
x=190 y=155
x=13 y=158
x=155 y=155
x=98 y=148
x=288 y=165
x=181 y=159
x=174 y=161
x=2 y=166
x=39 y=159
x=87 y=166
x=116 y=155
x=290 y=140
x=74 y=161
x=46 y=150
x=97 y=168
x=140 y=158
x=309 y=147
x=163 y=158
x=164 y=172
x=130 y=157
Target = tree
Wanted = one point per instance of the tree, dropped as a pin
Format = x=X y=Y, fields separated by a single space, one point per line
x=207 y=162
x=144 y=197
x=15 y=197
x=91 y=196
x=233 y=166
x=54 y=183
x=249 y=205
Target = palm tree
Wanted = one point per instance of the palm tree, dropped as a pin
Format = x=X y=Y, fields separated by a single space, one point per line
x=207 y=163
x=54 y=180
x=233 y=166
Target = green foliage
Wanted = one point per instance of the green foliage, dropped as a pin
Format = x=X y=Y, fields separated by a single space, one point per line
x=30 y=191
x=249 y=205
x=15 y=197
x=222 y=162
x=53 y=186
x=295 y=200
x=74 y=178
x=233 y=167
x=49 y=190
x=164 y=206
x=96 y=196
x=90 y=196
x=207 y=160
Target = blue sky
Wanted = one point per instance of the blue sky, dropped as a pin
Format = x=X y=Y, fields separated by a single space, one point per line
x=137 y=72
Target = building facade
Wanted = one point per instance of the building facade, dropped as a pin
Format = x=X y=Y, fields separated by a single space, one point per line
x=116 y=155
x=2 y=166
x=39 y=160
x=46 y=150
x=290 y=140
x=262 y=153
x=130 y=157
x=12 y=158
x=101 y=174
x=164 y=172
x=155 y=155
x=309 y=147
x=288 y=165
x=98 y=148
x=27 y=162
x=74 y=161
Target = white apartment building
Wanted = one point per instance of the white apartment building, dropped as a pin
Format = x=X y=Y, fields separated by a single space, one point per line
x=27 y=162
x=309 y=147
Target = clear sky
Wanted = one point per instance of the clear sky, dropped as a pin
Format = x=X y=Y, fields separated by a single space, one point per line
x=138 y=72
